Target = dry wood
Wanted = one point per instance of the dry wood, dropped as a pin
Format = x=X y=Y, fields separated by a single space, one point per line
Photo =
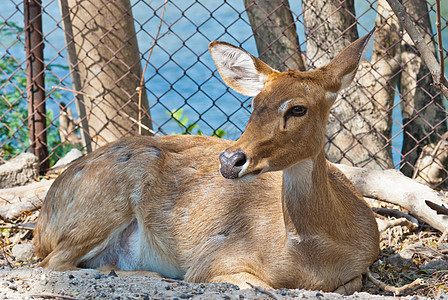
x=67 y=127
x=29 y=226
x=395 y=213
x=52 y=296
x=439 y=40
x=440 y=209
x=442 y=237
x=24 y=198
x=13 y=211
x=393 y=187
x=141 y=125
x=264 y=291
x=142 y=79
x=392 y=289
x=384 y=225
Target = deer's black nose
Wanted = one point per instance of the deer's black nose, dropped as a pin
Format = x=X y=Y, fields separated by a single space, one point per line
x=232 y=163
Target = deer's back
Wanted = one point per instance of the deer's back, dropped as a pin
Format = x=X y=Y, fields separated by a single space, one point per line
x=171 y=187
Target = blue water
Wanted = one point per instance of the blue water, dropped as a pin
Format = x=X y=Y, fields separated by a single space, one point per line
x=180 y=72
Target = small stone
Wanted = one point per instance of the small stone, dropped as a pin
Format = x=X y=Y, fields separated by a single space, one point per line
x=436 y=265
x=19 y=170
x=68 y=158
x=23 y=252
x=399 y=261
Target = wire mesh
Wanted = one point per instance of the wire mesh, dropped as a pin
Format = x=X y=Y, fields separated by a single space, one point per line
x=96 y=51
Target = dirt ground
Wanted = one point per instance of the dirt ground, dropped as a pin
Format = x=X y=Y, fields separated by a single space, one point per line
x=24 y=280
x=406 y=254
x=37 y=283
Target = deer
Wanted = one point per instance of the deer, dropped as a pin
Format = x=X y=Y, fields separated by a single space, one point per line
x=265 y=210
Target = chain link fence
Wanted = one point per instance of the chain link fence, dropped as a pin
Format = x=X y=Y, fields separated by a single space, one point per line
x=85 y=87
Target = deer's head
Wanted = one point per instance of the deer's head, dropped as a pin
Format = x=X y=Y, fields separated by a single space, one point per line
x=290 y=109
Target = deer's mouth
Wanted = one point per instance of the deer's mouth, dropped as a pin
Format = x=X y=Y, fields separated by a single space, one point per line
x=236 y=165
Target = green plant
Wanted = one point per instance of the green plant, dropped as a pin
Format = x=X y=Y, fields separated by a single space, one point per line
x=13 y=105
x=14 y=135
x=182 y=120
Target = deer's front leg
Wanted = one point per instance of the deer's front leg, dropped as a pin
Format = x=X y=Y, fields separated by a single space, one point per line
x=350 y=287
x=241 y=280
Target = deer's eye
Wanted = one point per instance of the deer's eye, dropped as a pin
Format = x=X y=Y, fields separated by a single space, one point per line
x=298 y=111
x=295 y=111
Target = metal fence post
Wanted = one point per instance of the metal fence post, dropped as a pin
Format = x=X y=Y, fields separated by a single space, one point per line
x=34 y=48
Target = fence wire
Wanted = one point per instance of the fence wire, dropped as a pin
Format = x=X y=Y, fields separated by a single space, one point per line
x=95 y=52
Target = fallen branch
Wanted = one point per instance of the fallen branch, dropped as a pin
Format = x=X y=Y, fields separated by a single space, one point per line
x=393 y=187
x=394 y=213
x=264 y=291
x=52 y=296
x=440 y=209
x=384 y=225
x=13 y=211
x=28 y=226
x=23 y=198
x=392 y=289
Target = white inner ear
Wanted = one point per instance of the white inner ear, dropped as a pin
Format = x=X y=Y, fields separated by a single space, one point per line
x=347 y=79
x=238 y=70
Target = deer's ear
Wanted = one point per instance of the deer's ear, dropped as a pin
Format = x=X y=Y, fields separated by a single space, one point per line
x=342 y=69
x=241 y=71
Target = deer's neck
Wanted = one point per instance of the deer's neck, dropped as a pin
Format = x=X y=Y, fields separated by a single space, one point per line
x=306 y=195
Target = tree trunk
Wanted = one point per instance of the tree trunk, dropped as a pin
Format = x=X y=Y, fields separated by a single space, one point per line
x=421 y=104
x=275 y=33
x=359 y=126
x=431 y=165
x=109 y=63
x=330 y=27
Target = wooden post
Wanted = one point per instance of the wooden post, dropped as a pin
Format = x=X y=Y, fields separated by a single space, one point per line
x=35 y=68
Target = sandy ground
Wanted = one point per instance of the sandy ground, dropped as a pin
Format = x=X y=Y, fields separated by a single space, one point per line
x=37 y=283
x=21 y=279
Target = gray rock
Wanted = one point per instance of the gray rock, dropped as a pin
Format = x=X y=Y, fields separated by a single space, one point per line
x=435 y=265
x=23 y=252
x=399 y=260
x=68 y=158
x=20 y=170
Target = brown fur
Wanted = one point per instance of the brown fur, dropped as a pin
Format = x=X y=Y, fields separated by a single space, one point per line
x=314 y=233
